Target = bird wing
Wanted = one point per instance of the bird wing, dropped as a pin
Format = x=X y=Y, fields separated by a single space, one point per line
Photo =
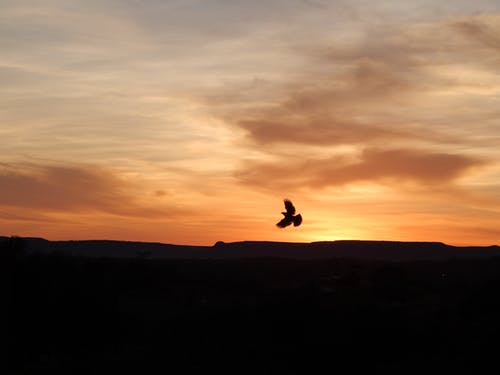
x=284 y=222
x=290 y=209
x=297 y=220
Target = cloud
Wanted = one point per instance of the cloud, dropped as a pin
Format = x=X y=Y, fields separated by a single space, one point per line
x=484 y=29
x=351 y=107
x=374 y=165
x=62 y=188
x=320 y=131
x=160 y=193
x=391 y=83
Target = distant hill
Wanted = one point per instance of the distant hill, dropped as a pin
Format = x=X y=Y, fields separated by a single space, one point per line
x=369 y=250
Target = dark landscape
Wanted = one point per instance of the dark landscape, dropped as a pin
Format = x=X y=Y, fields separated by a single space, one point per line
x=90 y=307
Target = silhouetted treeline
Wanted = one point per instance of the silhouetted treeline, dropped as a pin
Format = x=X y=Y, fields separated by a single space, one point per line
x=248 y=316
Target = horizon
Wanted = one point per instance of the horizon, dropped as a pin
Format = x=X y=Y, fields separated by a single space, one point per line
x=248 y=241
x=189 y=122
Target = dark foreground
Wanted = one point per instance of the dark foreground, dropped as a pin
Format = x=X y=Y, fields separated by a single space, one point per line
x=78 y=315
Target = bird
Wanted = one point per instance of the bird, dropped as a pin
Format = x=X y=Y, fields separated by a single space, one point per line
x=289 y=216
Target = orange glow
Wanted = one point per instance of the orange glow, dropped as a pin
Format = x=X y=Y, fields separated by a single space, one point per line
x=117 y=126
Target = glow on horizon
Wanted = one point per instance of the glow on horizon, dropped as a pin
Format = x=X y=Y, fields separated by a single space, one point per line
x=189 y=122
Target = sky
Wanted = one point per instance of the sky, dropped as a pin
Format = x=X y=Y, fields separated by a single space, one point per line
x=189 y=121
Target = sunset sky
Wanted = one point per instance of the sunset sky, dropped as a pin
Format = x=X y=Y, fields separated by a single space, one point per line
x=189 y=121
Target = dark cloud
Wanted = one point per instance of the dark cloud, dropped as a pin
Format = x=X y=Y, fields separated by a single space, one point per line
x=353 y=107
x=160 y=193
x=320 y=131
x=486 y=31
x=376 y=88
x=385 y=166
x=68 y=188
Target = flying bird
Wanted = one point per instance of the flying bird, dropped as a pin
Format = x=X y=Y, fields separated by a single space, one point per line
x=289 y=216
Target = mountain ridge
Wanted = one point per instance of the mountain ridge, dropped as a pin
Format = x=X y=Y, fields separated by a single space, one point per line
x=357 y=249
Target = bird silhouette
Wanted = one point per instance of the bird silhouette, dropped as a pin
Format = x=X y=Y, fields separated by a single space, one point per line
x=289 y=216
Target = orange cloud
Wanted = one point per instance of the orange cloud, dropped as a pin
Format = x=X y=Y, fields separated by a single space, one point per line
x=427 y=168
x=62 y=188
x=59 y=187
x=485 y=30
x=351 y=107
x=386 y=85
x=315 y=131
